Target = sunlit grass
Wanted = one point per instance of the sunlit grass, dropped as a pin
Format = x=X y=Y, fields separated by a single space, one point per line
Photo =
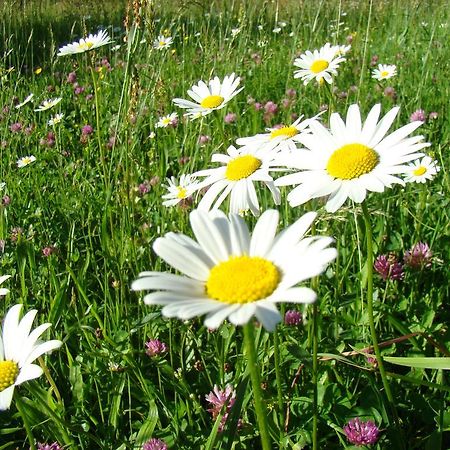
x=94 y=199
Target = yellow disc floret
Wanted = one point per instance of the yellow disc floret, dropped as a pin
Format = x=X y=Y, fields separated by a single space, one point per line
x=242 y=279
x=420 y=171
x=182 y=192
x=8 y=374
x=242 y=167
x=351 y=161
x=319 y=66
x=212 y=101
x=286 y=132
x=384 y=74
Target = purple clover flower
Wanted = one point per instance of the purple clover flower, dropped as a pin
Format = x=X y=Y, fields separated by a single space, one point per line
x=388 y=267
x=155 y=347
x=361 y=433
x=293 y=317
x=418 y=115
x=54 y=446
x=419 y=256
x=219 y=399
x=155 y=444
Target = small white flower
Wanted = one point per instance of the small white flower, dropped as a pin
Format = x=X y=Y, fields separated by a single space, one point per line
x=422 y=170
x=2 y=185
x=319 y=64
x=86 y=44
x=18 y=349
x=3 y=291
x=239 y=170
x=47 y=104
x=276 y=30
x=115 y=48
x=152 y=135
x=209 y=97
x=28 y=99
x=235 y=31
x=179 y=191
x=22 y=162
x=167 y=121
x=162 y=42
x=282 y=24
x=341 y=50
x=57 y=118
x=285 y=138
x=229 y=273
x=384 y=72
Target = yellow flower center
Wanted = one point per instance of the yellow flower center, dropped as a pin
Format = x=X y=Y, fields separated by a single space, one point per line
x=286 y=132
x=319 y=66
x=182 y=192
x=166 y=121
x=242 y=279
x=162 y=43
x=420 y=171
x=212 y=101
x=351 y=161
x=8 y=374
x=242 y=167
x=385 y=73
x=87 y=45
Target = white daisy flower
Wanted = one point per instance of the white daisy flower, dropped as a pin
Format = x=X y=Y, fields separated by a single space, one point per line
x=57 y=118
x=47 y=104
x=24 y=161
x=211 y=96
x=319 y=64
x=3 y=291
x=350 y=159
x=85 y=44
x=162 y=42
x=421 y=171
x=341 y=49
x=384 y=72
x=18 y=349
x=28 y=99
x=227 y=273
x=285 y=138
x=179 y=191
x=166 y=121
x=239 y=170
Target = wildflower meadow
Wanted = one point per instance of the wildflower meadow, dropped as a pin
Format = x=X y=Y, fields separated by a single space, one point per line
x=224 y=224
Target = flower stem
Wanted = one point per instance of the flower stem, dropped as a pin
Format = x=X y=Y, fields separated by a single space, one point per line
x=276 y=354
x=373 y=333
x=97 y=125
x=314 y=376
x=253 y=368
x=21 y=408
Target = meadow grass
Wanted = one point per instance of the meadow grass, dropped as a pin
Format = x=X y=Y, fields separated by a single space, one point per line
x=93 y=202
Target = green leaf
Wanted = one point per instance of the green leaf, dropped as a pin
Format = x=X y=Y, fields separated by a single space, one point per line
x=420 y=362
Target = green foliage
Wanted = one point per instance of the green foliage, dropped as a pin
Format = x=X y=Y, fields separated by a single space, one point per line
x=81 y=198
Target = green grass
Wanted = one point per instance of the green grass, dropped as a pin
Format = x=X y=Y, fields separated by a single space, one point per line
x=102 y=390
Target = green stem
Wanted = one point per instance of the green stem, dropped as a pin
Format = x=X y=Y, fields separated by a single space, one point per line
x=97 y=125
x=314 y=375
x=276 y=354
x=21 y=408
x=253 y=368
x=369 y=241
